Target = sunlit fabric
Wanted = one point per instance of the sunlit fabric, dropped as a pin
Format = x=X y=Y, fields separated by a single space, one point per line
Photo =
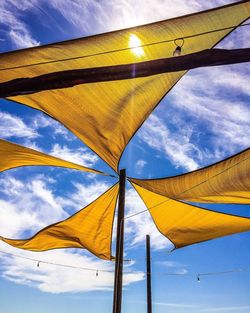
x=13 y=155
x=106 y=115
x=90 y=228
x=186 y=224
x=227 y=181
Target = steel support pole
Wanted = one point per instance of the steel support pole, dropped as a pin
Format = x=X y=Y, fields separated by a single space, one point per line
x=117 y=300
x=148 y=258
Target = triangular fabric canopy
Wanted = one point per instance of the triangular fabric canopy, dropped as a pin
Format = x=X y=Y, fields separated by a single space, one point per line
x=227 y=181
x=89 y=228
x=185 y=224
x=106 y=115
x=13 y=155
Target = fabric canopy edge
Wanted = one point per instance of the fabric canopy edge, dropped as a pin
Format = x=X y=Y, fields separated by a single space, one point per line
x=75 y=166
x=228 y=5
x=133 y=179
x=116 y=164
x=130 y=139
x=191 y=205
x=175 y=247
x=4 y=239
x=132 y=184
x=40 y=111
x=133 y=28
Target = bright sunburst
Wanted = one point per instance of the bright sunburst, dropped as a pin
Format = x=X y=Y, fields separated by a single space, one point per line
x=135 y=45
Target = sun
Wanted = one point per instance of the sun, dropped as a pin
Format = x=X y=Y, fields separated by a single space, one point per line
x=135 y=45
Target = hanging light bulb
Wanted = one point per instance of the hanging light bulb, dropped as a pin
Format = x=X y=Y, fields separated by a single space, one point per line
x=198 y=279
x=179 y=43
x=96 y=274
x=38 y=264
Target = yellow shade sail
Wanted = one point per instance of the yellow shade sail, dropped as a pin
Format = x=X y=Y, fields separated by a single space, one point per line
x=90 y=228
x=186 y=224
x=105 y=115
x=227 y=181
x=13 y=155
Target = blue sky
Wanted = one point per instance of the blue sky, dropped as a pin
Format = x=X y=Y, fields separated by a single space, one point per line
x=205 y=118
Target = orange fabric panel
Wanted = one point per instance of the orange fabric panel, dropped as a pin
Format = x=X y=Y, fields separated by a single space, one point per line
x=13 y=155
x=106 y=115
x=89 y=228
x=227 y=181
x=186 y=224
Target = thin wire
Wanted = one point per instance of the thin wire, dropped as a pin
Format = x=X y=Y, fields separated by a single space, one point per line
x=56 y=264
x=65 y=265
x=237 y=270
x=124 y=49
x=170 y=199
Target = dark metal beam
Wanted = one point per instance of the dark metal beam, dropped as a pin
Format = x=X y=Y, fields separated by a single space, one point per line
x=117 y=300
x=70 y=78
x=149 y=292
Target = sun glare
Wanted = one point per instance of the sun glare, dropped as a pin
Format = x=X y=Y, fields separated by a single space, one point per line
x=134 y=44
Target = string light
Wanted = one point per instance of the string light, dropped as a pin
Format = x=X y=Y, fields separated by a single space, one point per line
x=97 y=271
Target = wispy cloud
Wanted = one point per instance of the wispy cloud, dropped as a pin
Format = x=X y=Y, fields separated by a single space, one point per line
x=200 y=123
x=13 y=126
x=35 y=199
x=84 y=194
x=27 y=207
x=177 y=146
x=227 y=309
x=40 y=121
x=56 y=279
x=137 y=227
x=79 y=155
x=98 y=16
x=177 y=305
x=114 y=14
x=218 y=107
x=176 y=267
x=16 y=29
x=140 y=165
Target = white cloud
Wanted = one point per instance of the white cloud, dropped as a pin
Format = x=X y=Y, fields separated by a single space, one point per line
x=13 y=223
x=57 y=279
x=41 y=121
x=176 y=146
x=98 y=16
x=31 y=206
x=116 y=14
x=21 y=38
x=201 y=123
x=17 y=30
x=26 y=208
x=80 y=155
x=217 y=106
x=177 y=305
x=26 y=142
x=137 y=227
x=84 y=194
x=13 y=126
x=179 y=268
x=35 y=200
x=140 y=165
x=227 y=309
